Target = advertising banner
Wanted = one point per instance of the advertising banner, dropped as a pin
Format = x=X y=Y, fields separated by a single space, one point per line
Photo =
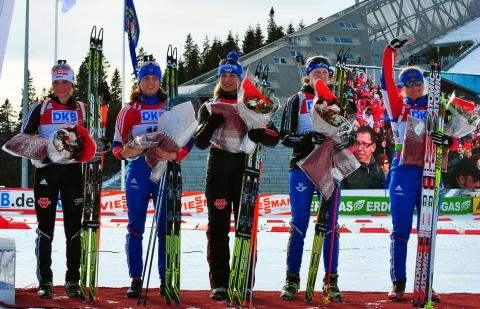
x=195 y=203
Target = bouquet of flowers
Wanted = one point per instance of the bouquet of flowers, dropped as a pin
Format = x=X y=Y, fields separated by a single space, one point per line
x=462 y=117
x=229 y=135
x=174 y=130
x=326 y=166
x=71 y=144
x=29 y=146
x=256 y=110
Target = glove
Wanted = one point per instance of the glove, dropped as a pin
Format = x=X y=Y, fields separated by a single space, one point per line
x=264 y=136
x=346 y=141
x=215 y=120
x=318 y=138
x=398 y=42
x=441 y=139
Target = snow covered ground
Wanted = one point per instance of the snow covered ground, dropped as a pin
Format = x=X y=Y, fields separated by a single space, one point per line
x=364 y=257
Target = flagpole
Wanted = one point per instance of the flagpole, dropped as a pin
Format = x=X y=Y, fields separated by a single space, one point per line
x=25 y=89
x=56 y=34
x=122 y=163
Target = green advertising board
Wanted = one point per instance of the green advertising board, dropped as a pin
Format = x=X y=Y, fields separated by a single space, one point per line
x=357 y=205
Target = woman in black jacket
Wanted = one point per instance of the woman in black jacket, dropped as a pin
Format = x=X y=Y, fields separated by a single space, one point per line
x=224 y=173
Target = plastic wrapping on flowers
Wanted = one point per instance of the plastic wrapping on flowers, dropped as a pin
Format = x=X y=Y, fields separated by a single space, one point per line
x=326 y=166
x=464 y=117
x=174 y=129
x=255 y=108
x=413 y=150
x=71 y=144
x=229 y=135
x=29 y=146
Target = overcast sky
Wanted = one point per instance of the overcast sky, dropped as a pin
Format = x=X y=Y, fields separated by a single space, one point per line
x=162 y=22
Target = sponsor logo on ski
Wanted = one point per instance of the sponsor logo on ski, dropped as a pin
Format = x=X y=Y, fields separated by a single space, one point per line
x=64 y=117
x=44 y=202
x=220 y=203
x=300 y=187
x=43 y=182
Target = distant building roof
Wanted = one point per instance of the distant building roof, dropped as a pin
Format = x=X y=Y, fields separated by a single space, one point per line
x=468 y=32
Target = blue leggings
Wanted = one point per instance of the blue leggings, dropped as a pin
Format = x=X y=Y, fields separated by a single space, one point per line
x=405 y=194
x=301 y=194
x=139 y=189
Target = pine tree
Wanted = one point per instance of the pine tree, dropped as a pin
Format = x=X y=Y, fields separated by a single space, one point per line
x=81 y=89
x=9 y=165
x=259 y=38
x=290 y=29
x=192 y=58
x=32 y=95
x=181 y=71
x=301 y=25
x=274 y=32
x=230 y=44
x=248 y=43
x=205 y=55
x=7 y=115
x=112 y=165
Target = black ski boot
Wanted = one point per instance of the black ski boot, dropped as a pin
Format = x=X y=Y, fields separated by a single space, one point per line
x=291 y=287
x=219 y=293
x=334 y=293
x=135 y=289
x=45 y=289
x=398 y=289
x=72 y=289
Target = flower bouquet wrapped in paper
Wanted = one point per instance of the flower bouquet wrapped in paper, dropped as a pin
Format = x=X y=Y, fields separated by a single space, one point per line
x=255 y=109
x=326 y=166
x=462 y=117
x=229 y=135
x=174 y=130
x=413 y=151
x=29 y=146
x=71 y=144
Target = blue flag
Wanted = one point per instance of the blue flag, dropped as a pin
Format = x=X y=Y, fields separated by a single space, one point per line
x=133 y=30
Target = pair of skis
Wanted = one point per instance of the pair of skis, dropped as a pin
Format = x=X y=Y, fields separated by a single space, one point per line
x=92 y=172
x=170 y=188
x=323 y=212
x=242 y=271
x=430 y=198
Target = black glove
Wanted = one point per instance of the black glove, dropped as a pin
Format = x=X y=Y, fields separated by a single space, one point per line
x=215 y=120
x=397 y=43
x=318 y=138
x=345 y=142
x=264 y=136
x=441 y=139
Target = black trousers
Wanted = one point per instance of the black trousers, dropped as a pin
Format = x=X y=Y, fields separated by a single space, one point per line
x=50 y=182
x=223 y=189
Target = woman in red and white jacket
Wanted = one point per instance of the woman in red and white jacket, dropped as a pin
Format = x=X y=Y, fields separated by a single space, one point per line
x=405 y=186
x=139 y=117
